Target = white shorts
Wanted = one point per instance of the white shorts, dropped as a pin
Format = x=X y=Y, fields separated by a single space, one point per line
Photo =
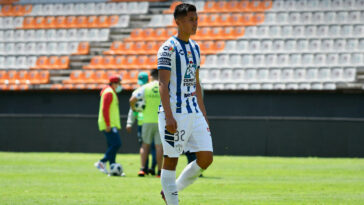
x=193 y=134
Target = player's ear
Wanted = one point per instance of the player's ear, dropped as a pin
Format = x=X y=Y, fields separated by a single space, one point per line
x=177 y=22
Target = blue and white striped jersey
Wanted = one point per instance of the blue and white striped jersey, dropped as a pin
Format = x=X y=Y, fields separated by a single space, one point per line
x=182 y=59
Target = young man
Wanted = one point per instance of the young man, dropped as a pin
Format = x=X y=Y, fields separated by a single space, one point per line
x=109 y=121
x=150 y=94
x=183 y=124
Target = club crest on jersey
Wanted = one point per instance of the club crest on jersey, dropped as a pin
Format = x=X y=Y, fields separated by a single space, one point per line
x=189 y=79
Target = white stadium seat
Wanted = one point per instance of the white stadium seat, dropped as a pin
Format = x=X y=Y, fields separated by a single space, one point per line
x=311 y=74
x=2 y=62
x=287 y=75
x=10 y=62
x=21 y=62
x=270 y=60
x=30 y=47
x=41 y=48
x=295 y=59
x=299 y=75
x=332 y=59
x=246 y=60
x=238 y=75
x=57 y=9
x=53 y=35
x=336 y=75
x=2 y=49
x=349 y=74
x=122 y=7
x=263 y=75
x=307 y=59
x=9 y=48
x=223 y=61
x=230 y=47
x=20 y=49
x=258 y=60
x=266 y=46
x=250 y=75
x=40 y=35
x=226 y=75
x=235 y=61
x=31 y=60
x=327 y=45
x=357 y=59
x=242 y=46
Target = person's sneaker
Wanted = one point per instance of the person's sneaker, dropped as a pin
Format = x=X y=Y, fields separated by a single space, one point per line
x=163 y=197
x=101 y=166
x=159 y=174
x=151 y=171
x=141 y=173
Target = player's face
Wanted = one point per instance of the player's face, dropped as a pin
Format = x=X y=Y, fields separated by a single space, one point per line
x=188 y=23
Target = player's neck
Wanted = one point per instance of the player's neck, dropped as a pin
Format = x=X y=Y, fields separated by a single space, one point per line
x=183 y=36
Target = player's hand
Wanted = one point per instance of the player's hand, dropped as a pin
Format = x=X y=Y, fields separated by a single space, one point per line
x=128 y=129
x=171 y=124
x=108 y=129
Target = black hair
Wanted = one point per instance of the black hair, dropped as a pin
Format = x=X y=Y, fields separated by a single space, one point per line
x=154 y=73
x=183 y=9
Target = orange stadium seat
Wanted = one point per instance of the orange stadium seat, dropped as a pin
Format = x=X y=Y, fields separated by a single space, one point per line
x=100 y=77
x=219 y=46
x=139 y=47
x=81 y=21
x=23 y=77
x=135 y=35
x=232 y=6
x=244 y=6
x=12 y=76
x=119 y=62
x=257 y=18
x=239 y=31
x=228 y=33
x=95 y=63
x=113 y=20
x=3 y=76
x=7 y=10
x=68 y=86
x=41 y=63
x=28 y=23
x=39 y=22
x=56 y=62
x=89 y=77
x=115 y=48
x=56 y=86
x=151 y=62
x=151 y=47
x=82 y=49
x=140 y=62
x=218 y=6
x=130 y=62
x=130 y=77
x=236 y=19
x=60 y=22
x=18 y=10
x=108 y=62
x=246 y=19
x=203 y=33
x=75 y=77
x=171 y=32
x=160 y=34
x=257 y=5
x=79 y=86
x=92 y=22
x=224 y=20
x=217 y=33
x=202 y=20
x=207 y=47
x=148 y=34
x=212 y=20
x=71 y=22
x=172 y=7
x=50 y=22
x=27 y=9
x=44 y=77
x=103 y=22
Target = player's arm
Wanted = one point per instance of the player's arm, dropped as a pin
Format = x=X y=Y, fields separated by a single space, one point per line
x=200 y=102
x=164 y=76
x=132 y=102
x=106 y=110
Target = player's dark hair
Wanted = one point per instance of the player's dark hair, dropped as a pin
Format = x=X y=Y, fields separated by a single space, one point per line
x=183 y=9
x=154 y=73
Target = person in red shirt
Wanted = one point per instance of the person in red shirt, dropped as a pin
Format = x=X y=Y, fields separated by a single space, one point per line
x=109 y=122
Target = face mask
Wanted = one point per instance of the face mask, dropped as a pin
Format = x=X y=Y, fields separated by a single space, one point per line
x=119 y=89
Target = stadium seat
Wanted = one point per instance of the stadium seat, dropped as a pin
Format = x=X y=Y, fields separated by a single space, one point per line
x=96 y=63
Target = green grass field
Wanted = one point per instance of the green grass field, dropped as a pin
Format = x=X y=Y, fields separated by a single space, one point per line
x=64 y=178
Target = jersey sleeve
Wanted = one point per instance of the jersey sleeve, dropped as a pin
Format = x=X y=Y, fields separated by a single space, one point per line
x=197 y=47
x=139 y=93
x=165 y=56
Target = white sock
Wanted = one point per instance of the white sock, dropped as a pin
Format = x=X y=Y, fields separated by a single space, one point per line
x=191 y=172
x=168 y=180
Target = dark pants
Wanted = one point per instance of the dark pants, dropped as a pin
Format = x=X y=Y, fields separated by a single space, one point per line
x=113 y=144
x=191 y=156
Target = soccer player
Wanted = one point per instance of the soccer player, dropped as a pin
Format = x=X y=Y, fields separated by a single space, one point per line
x=109 y=121
x=150 y=94
x=143 y=79
x=183 y=124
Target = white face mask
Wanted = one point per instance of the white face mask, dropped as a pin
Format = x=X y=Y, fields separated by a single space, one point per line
x=119 y=89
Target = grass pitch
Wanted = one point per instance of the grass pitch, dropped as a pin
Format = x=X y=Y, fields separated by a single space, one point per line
x=64 y=178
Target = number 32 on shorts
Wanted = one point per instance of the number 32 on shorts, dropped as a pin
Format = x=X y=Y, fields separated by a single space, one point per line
x=178 y=135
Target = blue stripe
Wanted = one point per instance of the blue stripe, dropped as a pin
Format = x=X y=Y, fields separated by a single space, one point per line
x=179 y=80
x=195 y=104
x=197 y=49
x=188 y=106
x=163 y=68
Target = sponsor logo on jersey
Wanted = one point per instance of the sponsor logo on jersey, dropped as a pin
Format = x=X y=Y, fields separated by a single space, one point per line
x=164 y=61
x=166 y=54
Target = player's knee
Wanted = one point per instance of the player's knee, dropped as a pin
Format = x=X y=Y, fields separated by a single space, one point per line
x=205 y=162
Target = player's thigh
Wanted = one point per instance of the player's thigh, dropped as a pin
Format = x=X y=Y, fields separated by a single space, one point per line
x=200 y=139
x=147 y=133
x=174 y=143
